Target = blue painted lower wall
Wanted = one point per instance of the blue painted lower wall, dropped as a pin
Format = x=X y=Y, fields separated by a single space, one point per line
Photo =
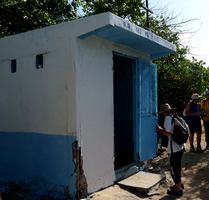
x=45 y=160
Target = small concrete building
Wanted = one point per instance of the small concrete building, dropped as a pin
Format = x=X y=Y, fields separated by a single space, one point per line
x=78 y=103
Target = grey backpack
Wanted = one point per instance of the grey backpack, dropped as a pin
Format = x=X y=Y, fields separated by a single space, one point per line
x=181 y=130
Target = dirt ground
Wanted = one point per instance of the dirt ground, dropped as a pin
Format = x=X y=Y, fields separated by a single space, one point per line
x=195 y=175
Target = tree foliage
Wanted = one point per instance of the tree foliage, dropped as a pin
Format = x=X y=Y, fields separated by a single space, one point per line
x=129 y=9
x=22 y=15
x=178 y=77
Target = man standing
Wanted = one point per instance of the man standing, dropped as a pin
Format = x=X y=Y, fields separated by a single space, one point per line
x=205 y=117
x=193 y=112
x=175 y=150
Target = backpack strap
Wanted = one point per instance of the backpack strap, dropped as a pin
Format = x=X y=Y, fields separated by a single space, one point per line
x=171 y=144
x=171 y=140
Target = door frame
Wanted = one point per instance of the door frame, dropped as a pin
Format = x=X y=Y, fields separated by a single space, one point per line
x=131 y=168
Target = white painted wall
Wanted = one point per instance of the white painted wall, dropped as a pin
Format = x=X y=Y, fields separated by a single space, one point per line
x=38 y=100
x=95 y=112
x=95 y=109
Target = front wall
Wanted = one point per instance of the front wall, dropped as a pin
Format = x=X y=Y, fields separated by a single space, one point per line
x=37 y=106
x=95 y=113
x=95 y=109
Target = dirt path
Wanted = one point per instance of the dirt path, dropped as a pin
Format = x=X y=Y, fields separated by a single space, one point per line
x=195 y=175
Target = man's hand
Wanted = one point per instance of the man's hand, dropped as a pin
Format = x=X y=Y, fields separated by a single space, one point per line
x=162 y=131
x=159 y=129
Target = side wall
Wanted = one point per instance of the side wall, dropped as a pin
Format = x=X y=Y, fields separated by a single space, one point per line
x=96 y=110
x=37 y=126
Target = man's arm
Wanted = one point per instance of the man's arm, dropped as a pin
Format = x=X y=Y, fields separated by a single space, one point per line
x=162 y=131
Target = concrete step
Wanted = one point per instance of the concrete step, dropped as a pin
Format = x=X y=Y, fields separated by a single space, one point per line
x=142 y=181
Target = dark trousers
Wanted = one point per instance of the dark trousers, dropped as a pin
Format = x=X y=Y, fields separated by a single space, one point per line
x=206 y=126
x=175 y=166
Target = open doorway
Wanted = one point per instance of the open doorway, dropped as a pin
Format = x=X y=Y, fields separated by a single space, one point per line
x=123 y=111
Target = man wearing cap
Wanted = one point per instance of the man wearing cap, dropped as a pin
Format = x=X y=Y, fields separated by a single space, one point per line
x=193 y=112
x=175 y=150
x=205 y=117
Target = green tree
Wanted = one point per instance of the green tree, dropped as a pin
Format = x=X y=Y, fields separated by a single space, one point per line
x=177 y=81
x=178 y=77
x=22 y=15
x=127 y=9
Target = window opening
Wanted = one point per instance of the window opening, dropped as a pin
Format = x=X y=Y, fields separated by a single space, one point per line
x=39 y=61
x=13 y=66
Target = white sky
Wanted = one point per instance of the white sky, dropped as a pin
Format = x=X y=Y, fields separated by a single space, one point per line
x=198 y=41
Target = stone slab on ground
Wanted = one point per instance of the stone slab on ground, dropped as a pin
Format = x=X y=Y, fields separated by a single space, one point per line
x=143 y=181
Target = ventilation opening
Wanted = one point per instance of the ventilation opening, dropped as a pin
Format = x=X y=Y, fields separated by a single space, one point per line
x=39 y=61
x=13 y=66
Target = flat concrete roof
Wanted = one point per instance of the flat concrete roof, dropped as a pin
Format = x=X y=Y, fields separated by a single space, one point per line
x=126 y=33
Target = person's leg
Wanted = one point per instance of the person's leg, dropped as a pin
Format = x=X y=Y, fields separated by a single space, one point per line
x=175 y=168
x=206 y=126
x=191 y=142
x=199 y=133
x=199 y=148
x=191 y=136
x=172 y=157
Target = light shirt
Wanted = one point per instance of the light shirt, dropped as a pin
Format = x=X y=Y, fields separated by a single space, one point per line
x=169 y=126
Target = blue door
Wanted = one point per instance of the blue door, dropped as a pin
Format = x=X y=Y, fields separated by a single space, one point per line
x=146 y=108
